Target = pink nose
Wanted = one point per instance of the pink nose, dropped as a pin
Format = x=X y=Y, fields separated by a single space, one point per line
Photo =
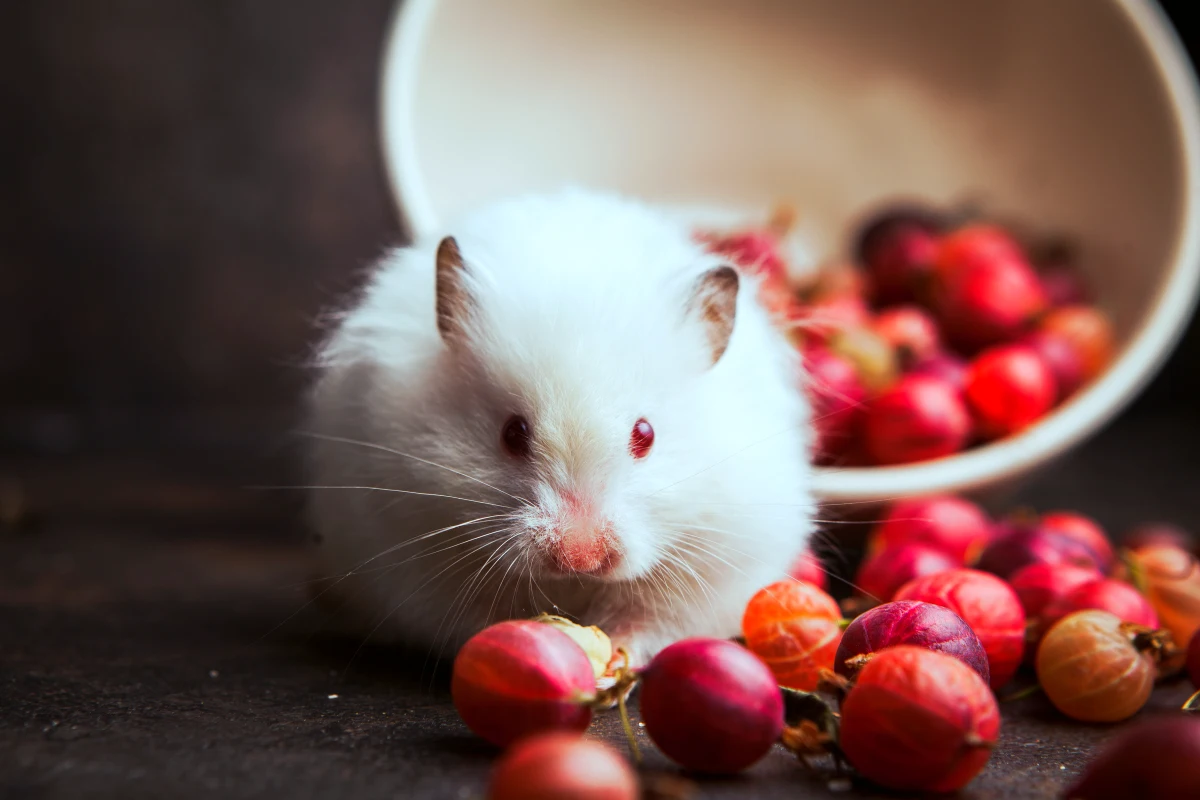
x=588 y=552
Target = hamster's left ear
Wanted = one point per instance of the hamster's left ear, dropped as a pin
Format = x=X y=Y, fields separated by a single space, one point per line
x=713 y=303
x=453 y=299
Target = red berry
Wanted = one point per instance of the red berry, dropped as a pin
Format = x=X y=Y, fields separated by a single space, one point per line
x=909 y=622
x=755 y=251
x=987 y=604
x=1038 y=585
x=711 y=705
x=808 y=568
x=989 y=304
x=902 y=264
x=944 y=366
x=885 y=571
x=972 y=246
x=521 y=677
x=951 y=524
x=1017 y=544
x=910 y=331
x=1104 y=594
x=1085 y=531
x=1008 y=389
x=1153 y=534
x=838 y=396
x=897 y=246
x=1152 y=759
x=1088 y=329
x=916 y=720
x=794 y=627
x=554 y=766
x=918 y=419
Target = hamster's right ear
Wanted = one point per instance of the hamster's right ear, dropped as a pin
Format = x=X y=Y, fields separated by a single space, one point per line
x=714 y=304
x=453 y=300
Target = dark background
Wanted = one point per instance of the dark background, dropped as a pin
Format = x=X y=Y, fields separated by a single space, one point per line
x=183 y=186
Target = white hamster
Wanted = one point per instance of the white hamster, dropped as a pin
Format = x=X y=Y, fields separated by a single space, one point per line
x=560 y=402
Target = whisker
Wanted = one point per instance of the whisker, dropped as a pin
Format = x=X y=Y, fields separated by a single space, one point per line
x=389 y=491
x=372 y=445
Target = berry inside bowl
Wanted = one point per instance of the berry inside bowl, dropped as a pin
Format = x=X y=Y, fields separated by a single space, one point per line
x=1080 y=117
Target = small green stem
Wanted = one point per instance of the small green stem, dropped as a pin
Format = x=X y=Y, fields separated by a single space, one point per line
x=1028 y=691
x=633 y=745
x=1190 y=703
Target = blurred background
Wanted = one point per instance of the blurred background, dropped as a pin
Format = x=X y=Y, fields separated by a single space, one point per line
x=185 y=186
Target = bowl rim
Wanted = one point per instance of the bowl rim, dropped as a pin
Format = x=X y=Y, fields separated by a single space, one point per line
x=1091 y=409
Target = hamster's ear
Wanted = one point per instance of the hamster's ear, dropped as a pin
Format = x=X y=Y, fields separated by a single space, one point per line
x=453 y=302
x=714 y=304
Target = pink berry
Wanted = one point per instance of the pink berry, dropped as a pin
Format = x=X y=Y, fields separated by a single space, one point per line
x=822 y=319
x=808 y=568
x=951 y=524
x=1155 y=758
x=1038 y=585
x=756 y=251
x=1008 y=389
x=521 y=677
x=1104 y=594
x=988 y=605
x=1084 y=530
x=1063 y=286
x=944 y=366
x=910 y=622
x=885 y=571
x=711 y=705
x=918 y=419
x=1017 y=544
x=1061 y=357
x=554 y=766
x=911 y=331
x=838 y=397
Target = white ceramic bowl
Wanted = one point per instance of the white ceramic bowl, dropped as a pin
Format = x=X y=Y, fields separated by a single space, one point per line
x=1078 y=115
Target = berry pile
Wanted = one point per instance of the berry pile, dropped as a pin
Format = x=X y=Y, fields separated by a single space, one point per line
x=902 y=692
x=937 y=337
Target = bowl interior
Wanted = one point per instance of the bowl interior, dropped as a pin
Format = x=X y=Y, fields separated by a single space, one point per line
x=1055 y=113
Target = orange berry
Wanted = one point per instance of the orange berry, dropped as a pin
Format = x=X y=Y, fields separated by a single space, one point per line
x=795 y=628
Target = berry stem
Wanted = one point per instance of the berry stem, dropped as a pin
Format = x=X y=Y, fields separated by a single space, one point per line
x=1028 y=691
x=1190 y=703
x=1137 y=576
x=626 y=678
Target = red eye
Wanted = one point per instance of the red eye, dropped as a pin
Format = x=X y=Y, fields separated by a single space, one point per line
x=517 y=436
x=641 y=439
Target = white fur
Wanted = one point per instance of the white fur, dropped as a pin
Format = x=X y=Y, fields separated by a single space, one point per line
x=581 y=327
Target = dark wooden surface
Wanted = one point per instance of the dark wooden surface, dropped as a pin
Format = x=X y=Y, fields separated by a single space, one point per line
x=159 y=645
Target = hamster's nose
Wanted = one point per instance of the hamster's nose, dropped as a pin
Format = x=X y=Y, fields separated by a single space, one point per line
x=585 y=550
